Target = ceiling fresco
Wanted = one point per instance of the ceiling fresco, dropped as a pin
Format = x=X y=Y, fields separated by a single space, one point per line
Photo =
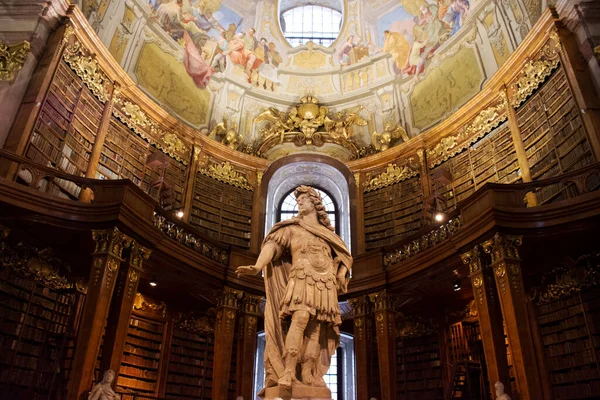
x=400 y=66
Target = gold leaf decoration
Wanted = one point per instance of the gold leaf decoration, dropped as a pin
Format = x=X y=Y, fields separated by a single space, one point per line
x=12 y=58
x=143 y=304
x=225 y=172
x=483 y=123
x=85 y=66
x=393 y=174
x=137 y=120
x=533 y=74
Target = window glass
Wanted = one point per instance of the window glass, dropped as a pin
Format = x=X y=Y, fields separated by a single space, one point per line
x=318 y=24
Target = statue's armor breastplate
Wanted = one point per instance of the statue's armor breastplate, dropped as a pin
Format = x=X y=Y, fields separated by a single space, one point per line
x=312 y=259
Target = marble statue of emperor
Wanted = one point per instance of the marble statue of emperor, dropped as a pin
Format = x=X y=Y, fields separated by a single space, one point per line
x=305 y=265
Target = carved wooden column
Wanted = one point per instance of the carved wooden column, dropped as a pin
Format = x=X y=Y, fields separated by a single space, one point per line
x=363 y=337
x=360 y=217
x=385 y=326
x=224 y=334
x=86 y=194
x=191 y=180
x=490 y=318
x=105 y=265
x=247 y=345
x=513 y=299
x=256 y=221
x=121 y=308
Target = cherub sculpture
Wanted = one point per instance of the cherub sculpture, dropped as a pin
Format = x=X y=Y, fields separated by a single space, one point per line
x=226 y=135
x=340 y=127
x=391 y=133
x=103 y=390
x=279 y=123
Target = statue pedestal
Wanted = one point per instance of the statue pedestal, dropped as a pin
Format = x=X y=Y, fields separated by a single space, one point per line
x=300 y=392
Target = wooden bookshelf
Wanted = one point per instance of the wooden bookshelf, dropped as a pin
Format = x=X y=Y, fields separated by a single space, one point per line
x=418 y=366
x=570 y=330
x=36 y=326
x=140 y=366
x=491 y=159
x=190 y=366
x=222 y=211
x=553 y=134
x=65 y=129
x=393 y=212
x=125 y=155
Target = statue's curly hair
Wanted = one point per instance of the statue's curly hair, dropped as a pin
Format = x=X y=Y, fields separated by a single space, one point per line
x=315 y=198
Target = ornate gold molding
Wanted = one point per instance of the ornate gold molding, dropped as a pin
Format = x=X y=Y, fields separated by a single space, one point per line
x=225 y=172
x=136 y=119
x=252 y=304
x=197 y=324
x=229 y=297
x=393 y=174
x=141 y=303
x=111 y=242
x=85 y=65
x=503 y=246
x=412 y=327
x=360 y=305
x=533 y=74
x=12 y=59
x=382 y=301
x=473 y=259
x=483 y=123
x=568 y=279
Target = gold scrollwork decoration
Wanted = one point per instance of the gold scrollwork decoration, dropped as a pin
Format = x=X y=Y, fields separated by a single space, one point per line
x=143 y=304
x=482 y=124
x=392 y=174
x=137 y=120
x=202 y=324
x=12 y=59
x=225 y=172
x=86 y=67
x=533 y=74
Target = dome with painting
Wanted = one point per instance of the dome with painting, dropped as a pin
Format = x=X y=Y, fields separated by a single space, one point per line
x=379 y=72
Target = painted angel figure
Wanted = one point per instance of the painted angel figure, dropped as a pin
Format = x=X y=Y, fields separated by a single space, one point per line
x=305 y=266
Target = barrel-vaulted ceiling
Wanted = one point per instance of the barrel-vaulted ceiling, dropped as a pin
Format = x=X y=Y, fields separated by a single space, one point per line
x=396 y=69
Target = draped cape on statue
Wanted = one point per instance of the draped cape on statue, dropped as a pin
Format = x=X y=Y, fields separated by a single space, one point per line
x=276 y=279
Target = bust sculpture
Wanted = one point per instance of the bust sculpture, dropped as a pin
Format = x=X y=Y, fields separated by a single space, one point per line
x=103 y=390
x=500 y=395
x=305 y=266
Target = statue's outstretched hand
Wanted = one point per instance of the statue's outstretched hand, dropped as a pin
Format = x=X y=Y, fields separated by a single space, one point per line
x=342 y=280
x=247 y=270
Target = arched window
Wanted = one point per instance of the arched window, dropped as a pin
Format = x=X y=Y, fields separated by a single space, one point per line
x=289 y=208
x=318 y=24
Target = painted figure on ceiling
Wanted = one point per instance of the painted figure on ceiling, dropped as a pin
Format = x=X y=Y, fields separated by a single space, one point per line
x=344 y=53
x=396 y=45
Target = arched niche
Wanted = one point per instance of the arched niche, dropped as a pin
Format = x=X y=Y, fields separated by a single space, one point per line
x=314 y=170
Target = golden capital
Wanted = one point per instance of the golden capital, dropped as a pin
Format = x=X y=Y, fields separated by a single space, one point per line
x=12 y=59
x=503 y=246
x=252 y=304
x=473 y=259
x=360 y=305
x=383 y=301
x=138 y=254
x=229 y=297
x=111 y=242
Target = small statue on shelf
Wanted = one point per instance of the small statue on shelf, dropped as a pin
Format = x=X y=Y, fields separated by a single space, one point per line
x=226 y=135
x=103 y=390
x=391 y=133
x=500 y=395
